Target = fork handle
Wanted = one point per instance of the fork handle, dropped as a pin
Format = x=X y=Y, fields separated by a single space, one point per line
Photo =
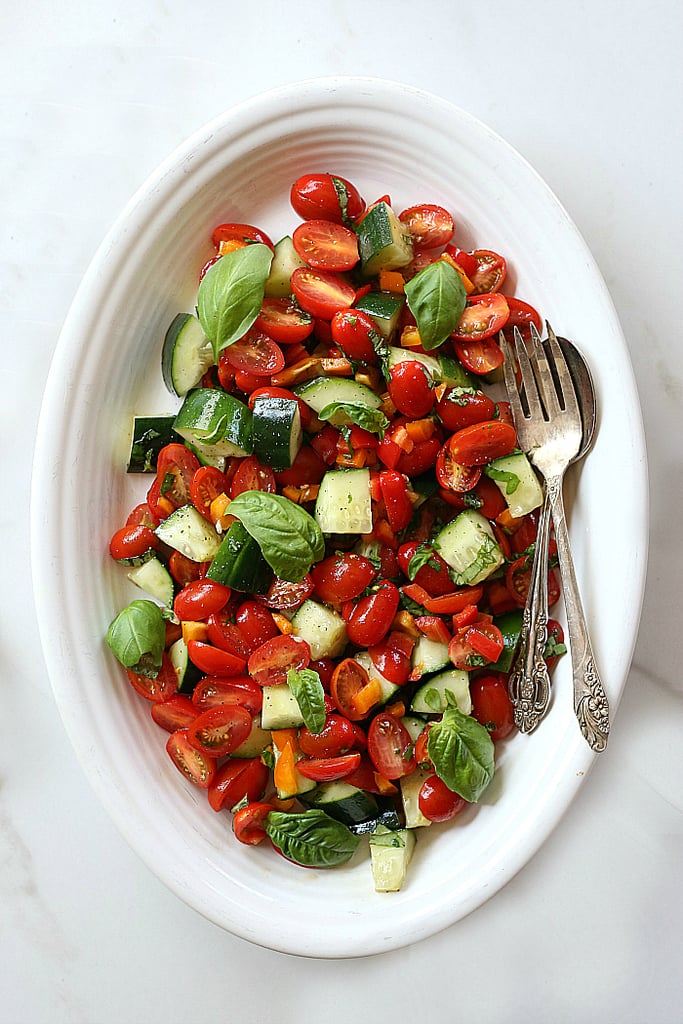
x=529 y=683
x=590 y=701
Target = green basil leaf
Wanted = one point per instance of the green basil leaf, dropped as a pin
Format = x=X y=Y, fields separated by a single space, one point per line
x=231 y=293
x=311 y=838
x=363 y=416
x=437 y=298
x=289 y=538
x=137 y=637
x=308 y=691
x=461 y=751
x=511 y=480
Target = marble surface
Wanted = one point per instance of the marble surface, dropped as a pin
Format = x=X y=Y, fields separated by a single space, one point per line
x=92 y=97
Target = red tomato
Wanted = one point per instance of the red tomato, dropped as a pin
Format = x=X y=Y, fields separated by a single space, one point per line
x=206 y=485
x=371 y=618
x=199 y=599
x=348 y=682
x=391 y=661
x=247 y=382
x=283 y=321
x=227 y=635
x=485 y=497
x=430 y=227
x=325 y=444
x=486 y=639
x=220 y=730
x=421 y=753
x=142 y=515
x=321 y=292
x=491 y=705
x=256 y=353
x=482 y=442
x=420 y=459
x=183 y=569
x=399 y=507
x=326 y=196
x=461 y=407
x=326 y=245
x=247 y=822
x=518 y=579
x=354 y=331
x=479 y=356
x=555 y=638
x=285 y=596
x=236 y=780
x=256 y=624
x=342 y=577
x=489 y=273
x=213 y=660
x=239 y=233
x=176 y=466
x=327 y=769
x=336 y=737
x=410 y=389
x=307 y=468
x=390 y=746
x=522 y=315
x=270 y=662
x=175 y=713
x=452 y=475
x=483 y=317
x=198 y=768
x=251 y=475
x=437 y=802
x=159 y=689
x=433 y=575
x=214 y=690
x=132 y=542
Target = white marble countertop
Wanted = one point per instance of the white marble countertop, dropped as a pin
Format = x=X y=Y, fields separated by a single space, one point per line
x=92 y=98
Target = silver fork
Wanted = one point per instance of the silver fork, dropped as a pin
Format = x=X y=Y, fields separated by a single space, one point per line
x=548 y=423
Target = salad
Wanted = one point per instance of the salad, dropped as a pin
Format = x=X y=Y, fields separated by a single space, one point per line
x=335 y=547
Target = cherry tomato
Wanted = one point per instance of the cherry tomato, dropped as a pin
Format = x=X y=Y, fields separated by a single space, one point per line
x=336 y=737
x=421 y=752
x=342 y=577
x=198 y=768
x=283 y=321
x=214 y=690
x=461 y=407
x=256 y=353
x=161 y=688
x=391 y=661
x=183 y=569
x=349 y=686
x=251 y=475
x=354 y=331
x=430 y=227
x=432 y=575
x=410 y=389
x=321 y=292
x=555 y=640
x=327 y=769
x=239 y=233
x=522 y=315
x=485 y=497
x=176 y=466
x=437 y=802
x=175 y=713
x=236 y=780
x=220 y=730
x=462 y=654
x=518 y=579
x=206 y=485
x=307 y=468
x=142 y=515
x=452 y=475
x=213 y=660
x=285 y=596
x=326 y=196
x=270 y=662
x=479 y=355
x=247 y=822
x=483 y=317
x=371 y=618
x=326 y=245
x=390 y=746
x=132 y=542
x=491 y=705
x=399 y=507
x=482 y=442
x=421 y=458
x=486 y=639
x=199 y=599
x=227 y=635
x=325 y=444
x=489 y=273
x=256 y=624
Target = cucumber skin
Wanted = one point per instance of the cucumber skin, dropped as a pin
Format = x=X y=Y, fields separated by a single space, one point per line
x=239 y=564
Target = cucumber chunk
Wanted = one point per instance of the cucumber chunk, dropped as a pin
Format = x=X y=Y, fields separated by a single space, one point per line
x=187 y=673
x=215 y=422
x=384 y=309
x=469 y=546
x=190 y=533
x=430 y=698
x=186 y=354
x=276 y=431
x=280 y=708
x=154 y=578
x=389 y=689
x=285 y=261
x=239 y=564
x=344 y=502
x=410 y=790
x=519 y=485
x=428 y=656
x=322 y=628
x=323 y=391
x=390 y=853
x=383 y=242
x=255 y=743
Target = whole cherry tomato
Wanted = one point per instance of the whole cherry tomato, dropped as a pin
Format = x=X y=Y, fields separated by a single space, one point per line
x=371 y=618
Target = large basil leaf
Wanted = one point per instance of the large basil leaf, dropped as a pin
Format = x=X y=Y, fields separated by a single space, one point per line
x=137 y=637
x=231 y=293
x=436 y=297
x=289 y=538
x=308 y=691
x=345 y=413
x=311 y=838
x=461 y=751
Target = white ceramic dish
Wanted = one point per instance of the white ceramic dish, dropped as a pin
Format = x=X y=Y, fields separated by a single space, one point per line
x=386 y=138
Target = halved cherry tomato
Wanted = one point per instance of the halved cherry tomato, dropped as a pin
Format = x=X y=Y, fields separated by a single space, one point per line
x=392 y=661
x=461 y=407
x=227 y=635
x=485 y=497
x=437 y=802
x=175 y=713
x=486 y=639
x=421 y=752
x=489 y=273
x=142 y=515
x=481 y=443
x=163 y=686
x=213 y=660
x=491 y=705
x=220 y=730
x=256 y=353
x=479 y=355
x=326 y=196
x=252 y=475
x=198 y=768
x=214 y=690
x=206 y=485
x=429 y=226
x=483 y=317
x=270 y=662
x=352 y=690
x=256 y=623
x=371 y=618
x=342 y=577
x=336 y=737
x=321 y=292
x=326 y=245
x=518 y=579
x=390 y=747
x=183 y=569
x=283 y=321
x=248 y=382
x=285 y=596
x=522 y=315
x=132 y=542
x=453 y=475
x=410 y=389
x=243 y=778
x=199 y=599
x=176 y=466
x=354 y=331
x=327 y=769
x=239 y=233
x=247 y=822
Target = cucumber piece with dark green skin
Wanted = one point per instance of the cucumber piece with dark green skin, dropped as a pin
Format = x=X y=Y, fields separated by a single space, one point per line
x=323 y=391
x=357 y=809
x=384 y=309
x=186 y=354
x=383 y=242
x=510 y=625
x=150 y=435
x=214 y=421
x=239 y=564
x=186 y=671
x=276 y=431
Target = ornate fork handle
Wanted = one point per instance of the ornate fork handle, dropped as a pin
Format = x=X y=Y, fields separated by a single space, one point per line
x=590 y=702
x=529 y=684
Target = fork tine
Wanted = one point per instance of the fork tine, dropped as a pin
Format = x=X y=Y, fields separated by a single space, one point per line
x=562 y=373
x=511 y=387
x=528 y=377
x=544 y=375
